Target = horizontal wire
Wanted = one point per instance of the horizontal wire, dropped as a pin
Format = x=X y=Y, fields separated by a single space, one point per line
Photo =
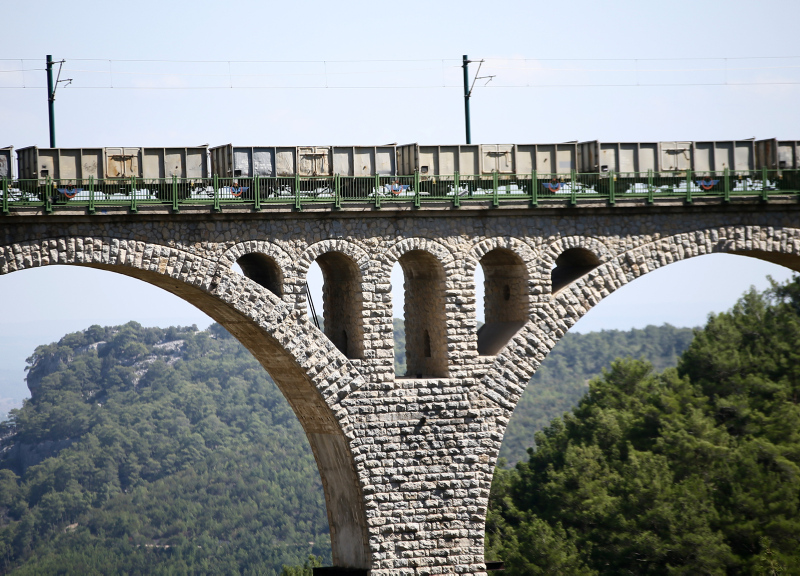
x=422 y=60
x=227 y=75
x=647 y=69
x=644 y=59
x=261 y=61
x=440 y=86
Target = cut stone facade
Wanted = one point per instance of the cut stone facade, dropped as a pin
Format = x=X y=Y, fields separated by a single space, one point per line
x=406 y=463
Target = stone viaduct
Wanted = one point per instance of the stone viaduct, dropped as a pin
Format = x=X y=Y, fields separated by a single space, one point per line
x=406 y=462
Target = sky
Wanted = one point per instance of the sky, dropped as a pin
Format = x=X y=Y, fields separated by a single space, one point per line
x=307 y=72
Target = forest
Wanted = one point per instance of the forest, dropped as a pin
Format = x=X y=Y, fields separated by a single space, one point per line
x=171 y=451
x=691 y=470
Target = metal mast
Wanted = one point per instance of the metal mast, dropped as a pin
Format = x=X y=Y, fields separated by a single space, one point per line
x=465 y=65
x=51 y=101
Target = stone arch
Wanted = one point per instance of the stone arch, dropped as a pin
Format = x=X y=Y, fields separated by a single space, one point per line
x=570 y=258
x=527 y=255
x=263 y=270
x=508 y=265
x=437 y=249
x=342 y=264
x=311 y=373
x=265 y=264
x=516 y=364
x=424 y=265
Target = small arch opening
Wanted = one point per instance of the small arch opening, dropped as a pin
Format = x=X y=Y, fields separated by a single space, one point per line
x=424 y=315
x=505 y=300
x=571 y=265
x=342 y=303
x=262 y=270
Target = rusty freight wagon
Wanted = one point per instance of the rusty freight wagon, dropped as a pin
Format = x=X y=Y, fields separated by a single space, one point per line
x=113 y=171
x=472 y=168
x=318 y=170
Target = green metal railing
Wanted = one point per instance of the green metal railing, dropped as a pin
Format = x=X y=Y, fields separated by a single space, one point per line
x=459 y=189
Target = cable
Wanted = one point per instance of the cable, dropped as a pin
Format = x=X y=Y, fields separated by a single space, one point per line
x=428 y=87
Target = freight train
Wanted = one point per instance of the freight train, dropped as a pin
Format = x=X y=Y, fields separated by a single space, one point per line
x=361 y=171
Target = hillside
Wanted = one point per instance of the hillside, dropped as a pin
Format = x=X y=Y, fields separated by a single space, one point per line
x=563 y=378
x=156 y=450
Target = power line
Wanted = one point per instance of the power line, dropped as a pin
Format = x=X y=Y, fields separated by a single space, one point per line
x=643 y=59
x=239 y=61
x=516 y=59
x=361 y=72
x=426 y=87
x=527 y=79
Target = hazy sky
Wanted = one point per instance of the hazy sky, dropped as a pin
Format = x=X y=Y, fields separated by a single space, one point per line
x=261 y=73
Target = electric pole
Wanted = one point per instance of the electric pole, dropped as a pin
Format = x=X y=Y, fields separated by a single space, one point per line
x=51 y=95
x=468 y=89
x=465 y=65
x=51 y=101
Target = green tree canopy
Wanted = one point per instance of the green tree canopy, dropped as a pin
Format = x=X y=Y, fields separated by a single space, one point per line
x=695 y=470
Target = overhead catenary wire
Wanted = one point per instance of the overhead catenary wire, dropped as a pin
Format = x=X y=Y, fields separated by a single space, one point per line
x=527 y=77
x=411 y=87
x=365 y=72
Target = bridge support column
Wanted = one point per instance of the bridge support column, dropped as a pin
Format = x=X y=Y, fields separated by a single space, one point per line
x=429 y=451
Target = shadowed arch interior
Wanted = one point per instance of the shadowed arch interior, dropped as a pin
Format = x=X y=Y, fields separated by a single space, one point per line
x=262 y=270
x=344 y=500
x=425 y=320
x=790 y=261
x=505 y=300
x=571 y=265
x=342 y=303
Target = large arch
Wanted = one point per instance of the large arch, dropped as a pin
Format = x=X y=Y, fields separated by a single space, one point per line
x=313 y=376
x=516 y=363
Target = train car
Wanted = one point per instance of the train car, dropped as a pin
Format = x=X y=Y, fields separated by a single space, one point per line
x=737 y=156
x=365 y=161
x=546 y=159
x=73 y=164
x=6 y=155
x=478 y=165
x=780 y=155
x=315 y=164
x=113 y=171
x=483 y=160
x=666 y=157
x=438 y=160
x=68 y=164
x=599 y=157
x=230 y=161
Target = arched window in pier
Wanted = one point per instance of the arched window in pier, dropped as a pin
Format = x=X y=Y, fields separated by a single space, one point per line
x=262 y=270
x=424 y=314
x=505 y=299
x=342 y=305
x=571 y=265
